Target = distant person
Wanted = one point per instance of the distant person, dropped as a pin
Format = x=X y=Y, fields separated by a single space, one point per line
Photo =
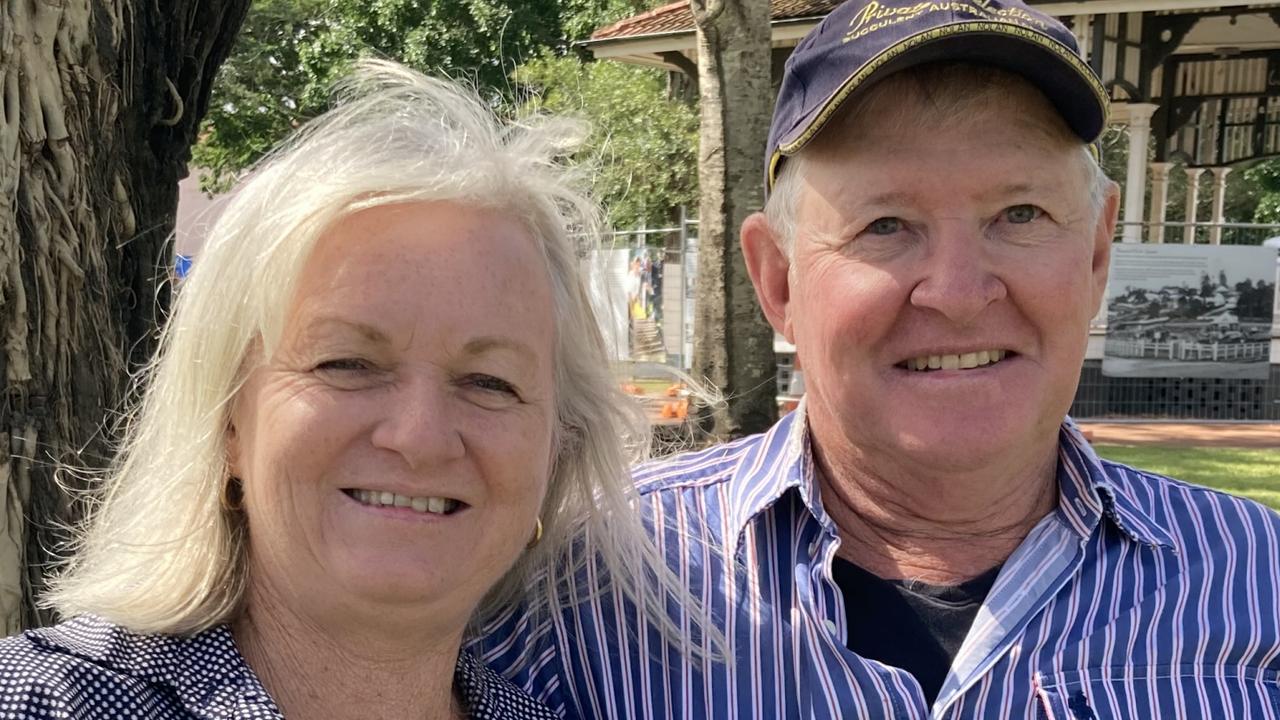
x=927 y=536
x=382 y=412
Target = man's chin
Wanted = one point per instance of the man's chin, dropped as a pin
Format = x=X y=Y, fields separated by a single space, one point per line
x=960 y=442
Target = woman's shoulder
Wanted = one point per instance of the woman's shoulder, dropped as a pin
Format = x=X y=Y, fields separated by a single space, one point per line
x=91 y=668
x=489 y=696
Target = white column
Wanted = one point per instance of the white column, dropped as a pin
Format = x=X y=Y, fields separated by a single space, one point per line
x=1219 y=203
x=1080 y=26
x=1159 y=200
x=1135 y=185
x=1193 y=198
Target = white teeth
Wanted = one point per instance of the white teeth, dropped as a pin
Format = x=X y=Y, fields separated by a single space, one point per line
x=434 y=505
x=963 y=361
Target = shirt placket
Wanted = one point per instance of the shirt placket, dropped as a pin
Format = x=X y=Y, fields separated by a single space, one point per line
x=881 y=691
x=1038 y=570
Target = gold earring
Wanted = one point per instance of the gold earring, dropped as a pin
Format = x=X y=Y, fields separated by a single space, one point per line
x=225 y=495
x=537 y=535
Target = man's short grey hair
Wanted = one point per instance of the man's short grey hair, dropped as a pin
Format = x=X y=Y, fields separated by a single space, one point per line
x=160 y=554
x=953 y=90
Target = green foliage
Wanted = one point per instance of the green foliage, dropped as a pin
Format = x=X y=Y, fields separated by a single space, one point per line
x=261 y=91
x=643 y=143
x=1264 y=177
x=583 y=17
x=290 y=52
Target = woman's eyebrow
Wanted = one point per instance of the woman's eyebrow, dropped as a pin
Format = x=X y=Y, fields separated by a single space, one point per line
x=369 y=332
x=494 y=343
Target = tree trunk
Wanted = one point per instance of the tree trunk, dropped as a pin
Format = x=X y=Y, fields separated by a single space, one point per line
x=733 y=344
x=100 y=101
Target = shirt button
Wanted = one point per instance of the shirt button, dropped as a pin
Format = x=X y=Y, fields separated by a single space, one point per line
x=831 y=626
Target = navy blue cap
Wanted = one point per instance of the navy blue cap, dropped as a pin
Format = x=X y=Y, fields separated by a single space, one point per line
x=863 y=41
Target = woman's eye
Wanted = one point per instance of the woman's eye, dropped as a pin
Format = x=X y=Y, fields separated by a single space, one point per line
x=492 y=384
x=343 y=365
x=1019 y=214
x=885 y=226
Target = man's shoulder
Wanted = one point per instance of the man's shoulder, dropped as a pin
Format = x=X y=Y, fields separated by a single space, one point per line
x=762 y=455
x=695 y=468
x=1202 y=521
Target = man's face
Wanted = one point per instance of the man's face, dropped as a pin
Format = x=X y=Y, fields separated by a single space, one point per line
x=968 y=246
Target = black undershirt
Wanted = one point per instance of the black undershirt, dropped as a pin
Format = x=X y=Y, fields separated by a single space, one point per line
x=909 y=625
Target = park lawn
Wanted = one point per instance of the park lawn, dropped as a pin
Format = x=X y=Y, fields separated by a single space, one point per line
x=1253 y=473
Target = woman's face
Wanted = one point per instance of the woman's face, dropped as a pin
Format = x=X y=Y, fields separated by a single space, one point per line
x=395 y=448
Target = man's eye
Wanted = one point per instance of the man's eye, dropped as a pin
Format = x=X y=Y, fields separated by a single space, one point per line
x=885 y=226
x=1019 y=214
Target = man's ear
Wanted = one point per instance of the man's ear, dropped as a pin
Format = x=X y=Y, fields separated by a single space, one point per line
x=1104 y=237
x=769 y=267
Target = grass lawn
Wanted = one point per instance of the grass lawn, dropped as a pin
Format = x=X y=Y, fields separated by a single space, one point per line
x=1253 y=473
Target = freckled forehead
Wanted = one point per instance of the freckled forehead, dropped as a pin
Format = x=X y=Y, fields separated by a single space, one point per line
x=451 y=262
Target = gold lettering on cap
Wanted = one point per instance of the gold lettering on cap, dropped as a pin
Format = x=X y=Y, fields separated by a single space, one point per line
x=876 y=16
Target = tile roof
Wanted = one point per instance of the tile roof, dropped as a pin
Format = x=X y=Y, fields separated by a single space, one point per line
x=677 y=18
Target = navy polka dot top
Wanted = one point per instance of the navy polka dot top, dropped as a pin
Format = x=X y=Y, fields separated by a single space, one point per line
x=89 y=668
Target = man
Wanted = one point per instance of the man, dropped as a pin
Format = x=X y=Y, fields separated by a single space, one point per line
x=926 y=536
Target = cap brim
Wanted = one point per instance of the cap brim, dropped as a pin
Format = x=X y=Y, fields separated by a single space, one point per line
x=1064 y=78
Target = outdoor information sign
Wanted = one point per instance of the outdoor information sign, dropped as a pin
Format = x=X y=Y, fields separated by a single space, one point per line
x=1199 y=311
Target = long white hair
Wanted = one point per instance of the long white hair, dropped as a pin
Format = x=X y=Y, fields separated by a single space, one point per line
x=160 y=553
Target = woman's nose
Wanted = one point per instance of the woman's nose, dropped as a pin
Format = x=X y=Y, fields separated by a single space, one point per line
x=418 y=424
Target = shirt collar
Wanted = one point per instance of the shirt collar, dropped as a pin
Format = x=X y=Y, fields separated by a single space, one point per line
x=783 y=460
x=1088 y=493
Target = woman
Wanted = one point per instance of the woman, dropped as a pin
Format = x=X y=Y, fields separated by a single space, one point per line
x=380 y=414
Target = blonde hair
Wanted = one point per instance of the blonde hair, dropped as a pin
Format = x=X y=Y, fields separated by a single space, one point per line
x=160 y=554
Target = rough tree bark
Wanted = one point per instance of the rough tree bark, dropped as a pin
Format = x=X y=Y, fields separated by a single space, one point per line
x=100 y=101
x=733 y=344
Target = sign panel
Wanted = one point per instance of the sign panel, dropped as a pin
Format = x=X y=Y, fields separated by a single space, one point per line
x=1200 y=311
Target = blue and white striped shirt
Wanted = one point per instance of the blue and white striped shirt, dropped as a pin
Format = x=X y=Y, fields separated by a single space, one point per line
x=1138 y=597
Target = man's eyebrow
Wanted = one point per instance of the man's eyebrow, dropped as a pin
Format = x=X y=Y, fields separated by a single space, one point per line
x=893 y=197
x=498 y=343
x=1020 y=188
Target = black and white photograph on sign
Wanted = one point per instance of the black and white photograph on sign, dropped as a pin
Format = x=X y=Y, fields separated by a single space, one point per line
x=1197 y=311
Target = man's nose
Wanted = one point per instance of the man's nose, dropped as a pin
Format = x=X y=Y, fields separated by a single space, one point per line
x=957 y=277
x=420 y=425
